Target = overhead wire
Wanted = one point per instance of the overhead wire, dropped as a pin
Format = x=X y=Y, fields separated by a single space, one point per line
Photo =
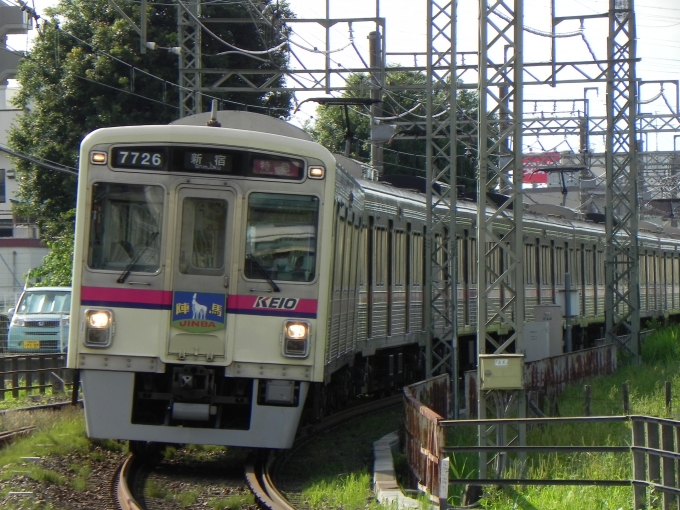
x=150 y=75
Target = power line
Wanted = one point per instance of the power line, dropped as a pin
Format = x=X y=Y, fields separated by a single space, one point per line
x=133 y=68
x=61 y=168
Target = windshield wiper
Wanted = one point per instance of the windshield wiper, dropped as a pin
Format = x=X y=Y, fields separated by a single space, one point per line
x=128 y=268
x=263 y=272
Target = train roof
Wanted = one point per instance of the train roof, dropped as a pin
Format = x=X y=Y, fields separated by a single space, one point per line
x=246 y=121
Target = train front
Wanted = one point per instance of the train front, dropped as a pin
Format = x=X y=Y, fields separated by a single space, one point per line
x=197 y=285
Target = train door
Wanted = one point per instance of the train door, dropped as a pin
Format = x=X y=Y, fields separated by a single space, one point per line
x=200 y=274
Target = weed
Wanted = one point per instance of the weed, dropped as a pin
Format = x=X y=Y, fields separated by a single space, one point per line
x=233 y=502
x=187 y=498
x=156 y=490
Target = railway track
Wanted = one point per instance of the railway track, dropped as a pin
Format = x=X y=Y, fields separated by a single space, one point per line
x=262 y=471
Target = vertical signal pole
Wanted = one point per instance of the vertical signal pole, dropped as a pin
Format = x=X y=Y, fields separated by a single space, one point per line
x=189 y=35
x=500 y=238
x=440 y=237
x=622 y=303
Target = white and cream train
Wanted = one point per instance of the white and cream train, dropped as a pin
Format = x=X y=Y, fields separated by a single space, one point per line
x=228 y=278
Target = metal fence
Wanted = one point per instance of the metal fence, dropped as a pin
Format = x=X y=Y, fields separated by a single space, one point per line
x=554 y=374
x=33 y=374
x=653 y=450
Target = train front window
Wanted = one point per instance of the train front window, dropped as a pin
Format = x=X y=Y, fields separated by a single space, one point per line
x=281 y=237
x=125 y=227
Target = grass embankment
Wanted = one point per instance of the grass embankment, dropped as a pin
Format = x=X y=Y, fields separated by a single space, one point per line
x=660 y=362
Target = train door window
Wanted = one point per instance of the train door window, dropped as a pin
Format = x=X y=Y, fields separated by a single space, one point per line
x=599 y=261
x=281 y=233
x=559 y=265
x=125 y=228
x=417 y=259
x=529 y=264
x=493 y=262
x=643 y=269
x=545 y=265
x=474 y=268
x=380 y=256
x=460 y=258
x=203 y=235
x=354 y=263
x=338 y=251
x=590 y=264
x=365 y=257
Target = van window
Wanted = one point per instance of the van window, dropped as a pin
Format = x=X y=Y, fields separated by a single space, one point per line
x=45 y=302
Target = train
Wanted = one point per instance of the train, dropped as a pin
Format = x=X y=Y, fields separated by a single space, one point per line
x=232 y=279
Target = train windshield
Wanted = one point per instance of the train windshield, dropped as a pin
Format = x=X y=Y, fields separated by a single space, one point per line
x=125 y=227
x=281 y=237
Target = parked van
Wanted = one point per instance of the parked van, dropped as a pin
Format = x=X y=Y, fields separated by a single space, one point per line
x=40 y=322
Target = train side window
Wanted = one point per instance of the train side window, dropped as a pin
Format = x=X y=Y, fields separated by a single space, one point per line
x=125 y=227
x=204 y=230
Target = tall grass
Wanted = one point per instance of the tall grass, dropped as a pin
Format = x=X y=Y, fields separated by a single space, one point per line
x=660 y=362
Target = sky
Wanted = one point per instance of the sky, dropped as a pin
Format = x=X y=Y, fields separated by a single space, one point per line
x=658 y=46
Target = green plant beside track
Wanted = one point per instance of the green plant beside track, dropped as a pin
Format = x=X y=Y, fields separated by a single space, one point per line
x=660 y=363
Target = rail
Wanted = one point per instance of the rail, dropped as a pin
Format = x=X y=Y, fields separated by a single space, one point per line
x=653 y=451
x=30 y=374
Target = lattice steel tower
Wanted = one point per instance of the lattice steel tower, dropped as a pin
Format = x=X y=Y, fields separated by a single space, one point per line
x=622 y=300
x=189 y=35
x=500 y=240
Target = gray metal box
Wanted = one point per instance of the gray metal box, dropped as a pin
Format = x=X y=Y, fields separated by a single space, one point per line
x=552 y=314
x=536 y=340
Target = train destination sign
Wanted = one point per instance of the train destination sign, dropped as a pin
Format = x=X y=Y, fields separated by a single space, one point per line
x=208 y=160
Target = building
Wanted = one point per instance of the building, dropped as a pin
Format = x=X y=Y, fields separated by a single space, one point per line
x=20 y=246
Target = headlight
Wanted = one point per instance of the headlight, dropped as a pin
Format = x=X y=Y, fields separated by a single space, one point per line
x=296 y=339
x=98 y=328
x=16 y=321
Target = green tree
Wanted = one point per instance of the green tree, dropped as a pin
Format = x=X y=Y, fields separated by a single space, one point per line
x=401 y=156
x=85 y=72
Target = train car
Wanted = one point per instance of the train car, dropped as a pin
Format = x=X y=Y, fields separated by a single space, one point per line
x=233 y=278
x=217 y=279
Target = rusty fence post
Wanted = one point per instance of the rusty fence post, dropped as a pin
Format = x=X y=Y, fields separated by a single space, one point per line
x=639 y=467
x=654 y=461
x=668 y=468
x=586 y=392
